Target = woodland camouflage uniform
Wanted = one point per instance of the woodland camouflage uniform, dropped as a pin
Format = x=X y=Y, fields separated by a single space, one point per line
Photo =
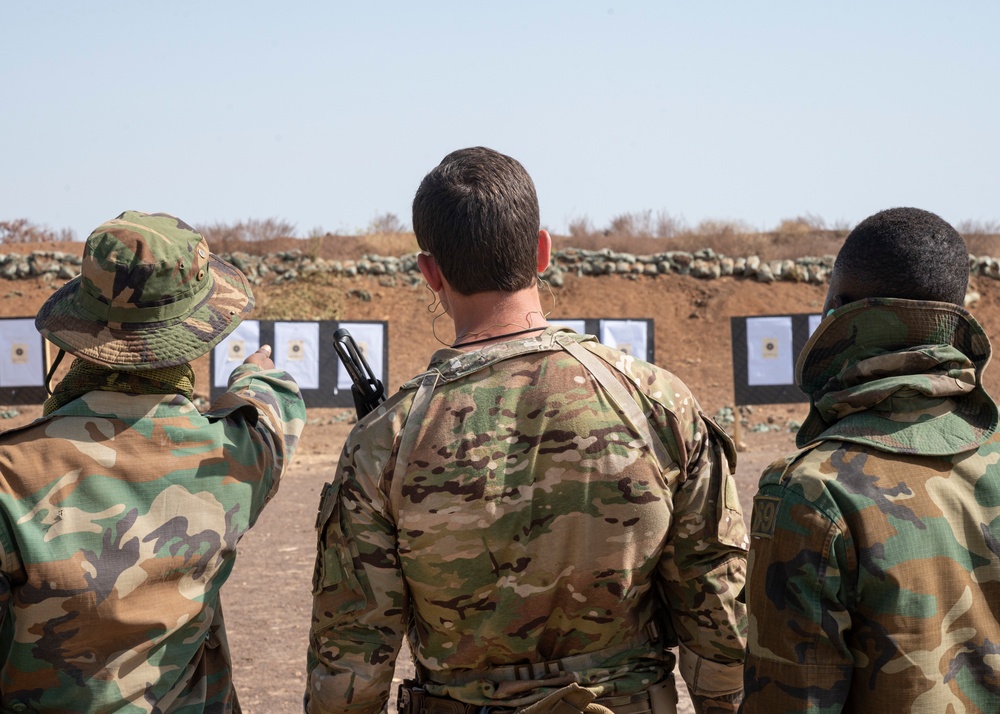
x=121 y=508
x=527 y=521
x=874 y=569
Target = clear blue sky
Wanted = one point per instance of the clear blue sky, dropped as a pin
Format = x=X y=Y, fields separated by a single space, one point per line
x=326 y=114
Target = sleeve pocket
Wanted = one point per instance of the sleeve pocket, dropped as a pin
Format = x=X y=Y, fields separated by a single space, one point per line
x=337 y=589
x=729 y=525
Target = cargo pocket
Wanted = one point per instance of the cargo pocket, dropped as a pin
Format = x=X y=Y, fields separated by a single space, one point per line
x=730 y=526
x=326 y=503
x=338 y=589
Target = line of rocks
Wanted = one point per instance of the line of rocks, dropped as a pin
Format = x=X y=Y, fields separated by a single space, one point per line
x=285 y=266
x=42 y=263
x=704 y=263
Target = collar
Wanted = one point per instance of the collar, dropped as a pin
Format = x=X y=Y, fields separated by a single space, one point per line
x=452 y=364
x=902 y=376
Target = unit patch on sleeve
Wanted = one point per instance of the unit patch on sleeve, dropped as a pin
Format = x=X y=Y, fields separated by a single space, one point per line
x=765 y=513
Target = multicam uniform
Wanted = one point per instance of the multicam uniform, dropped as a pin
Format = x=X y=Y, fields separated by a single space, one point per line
x=503 y=508
x=874 y=570
x=119 y=519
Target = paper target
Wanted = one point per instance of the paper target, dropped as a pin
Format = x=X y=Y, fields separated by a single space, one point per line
x=22 y=363
x=230 y=353
x=629 y=336
x=296 y=350
x=769 y=351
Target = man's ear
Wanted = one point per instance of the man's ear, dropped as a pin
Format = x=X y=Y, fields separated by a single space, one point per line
x=835 y=296
x=833 y=301
x=831 y=304
x=544 y=249
x=430 y=270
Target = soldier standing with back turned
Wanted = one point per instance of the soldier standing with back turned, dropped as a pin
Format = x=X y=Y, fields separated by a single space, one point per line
x=541 y=516
x=874 y=581
x=121 y=507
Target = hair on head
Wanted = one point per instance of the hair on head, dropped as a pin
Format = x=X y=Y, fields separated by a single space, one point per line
x=904 y=253
x=477 y=214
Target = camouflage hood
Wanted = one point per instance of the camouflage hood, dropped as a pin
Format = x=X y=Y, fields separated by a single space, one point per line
x=149 y=295
x=902 y=376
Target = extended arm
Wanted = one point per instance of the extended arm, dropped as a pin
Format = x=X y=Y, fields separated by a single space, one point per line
x=268 y=401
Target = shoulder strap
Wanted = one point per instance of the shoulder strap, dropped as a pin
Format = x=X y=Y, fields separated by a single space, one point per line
x=621 y=397
x=616 y=391
x=411 y=430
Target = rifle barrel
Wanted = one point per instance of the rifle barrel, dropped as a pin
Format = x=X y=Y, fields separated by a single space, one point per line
x=368 y=389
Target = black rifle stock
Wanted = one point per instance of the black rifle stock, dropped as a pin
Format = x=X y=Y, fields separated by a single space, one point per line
x=367 y=389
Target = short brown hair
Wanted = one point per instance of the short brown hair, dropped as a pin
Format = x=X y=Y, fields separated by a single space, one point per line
x=477 y=213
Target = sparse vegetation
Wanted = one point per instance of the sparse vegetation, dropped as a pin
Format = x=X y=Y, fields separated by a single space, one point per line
x=644 y=232
x=383 y=244
x=21 y=230
x=806 y=223
x=230 y=237
x=640 y=232
x=627 y=226
x=386 y=224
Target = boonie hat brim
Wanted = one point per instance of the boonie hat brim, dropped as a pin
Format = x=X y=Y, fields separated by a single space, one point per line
x=149 y=345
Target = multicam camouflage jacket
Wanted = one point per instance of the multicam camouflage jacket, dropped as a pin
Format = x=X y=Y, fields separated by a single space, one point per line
x=874 y=570
x=501 y=509
x=119 y=518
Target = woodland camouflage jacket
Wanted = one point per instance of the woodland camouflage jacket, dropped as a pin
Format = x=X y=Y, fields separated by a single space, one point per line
x=119 y=519
x=528 y=521
x=874 y=570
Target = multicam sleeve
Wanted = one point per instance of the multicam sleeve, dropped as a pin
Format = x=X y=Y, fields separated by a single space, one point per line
x=797 y=655
x=358 y=593
x=704 y=565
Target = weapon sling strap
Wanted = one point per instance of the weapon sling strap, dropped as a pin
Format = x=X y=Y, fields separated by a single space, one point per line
x=411 y=431
x=619 y=395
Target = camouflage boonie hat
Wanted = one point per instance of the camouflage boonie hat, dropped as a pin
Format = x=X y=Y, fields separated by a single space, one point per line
x=149 y=295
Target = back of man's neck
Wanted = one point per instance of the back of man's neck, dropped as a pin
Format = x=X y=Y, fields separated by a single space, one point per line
x=496 y=313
